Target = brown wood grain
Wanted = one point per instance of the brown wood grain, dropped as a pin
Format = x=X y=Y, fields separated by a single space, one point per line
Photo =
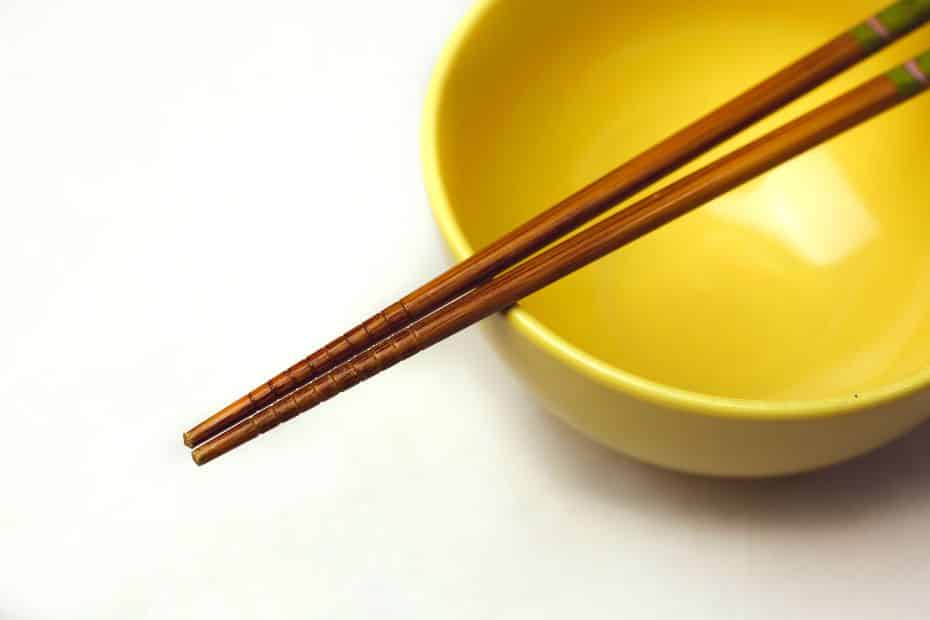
x=584 y=247
x=579 y=208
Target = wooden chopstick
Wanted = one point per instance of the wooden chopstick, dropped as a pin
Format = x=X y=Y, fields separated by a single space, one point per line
x=620 y=184
x=848 y=110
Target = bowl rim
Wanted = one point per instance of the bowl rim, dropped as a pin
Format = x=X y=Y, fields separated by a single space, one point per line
x=550 y=343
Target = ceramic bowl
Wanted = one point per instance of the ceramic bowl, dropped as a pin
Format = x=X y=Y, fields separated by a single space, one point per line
x=778 y=329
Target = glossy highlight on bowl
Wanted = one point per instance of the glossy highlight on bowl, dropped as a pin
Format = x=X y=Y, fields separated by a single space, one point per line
x=778 y=329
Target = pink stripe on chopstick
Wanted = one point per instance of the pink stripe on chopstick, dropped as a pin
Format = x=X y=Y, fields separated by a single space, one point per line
x=879 y=28
x=914 y=69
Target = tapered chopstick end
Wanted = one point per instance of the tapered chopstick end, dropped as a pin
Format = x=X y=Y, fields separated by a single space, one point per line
x=220 y=445
x=199 y=459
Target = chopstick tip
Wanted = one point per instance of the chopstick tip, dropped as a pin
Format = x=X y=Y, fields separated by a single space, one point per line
x=188 y=440
x=198 y=458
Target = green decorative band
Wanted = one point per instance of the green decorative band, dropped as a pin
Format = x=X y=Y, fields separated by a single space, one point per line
x=894 y=22
x=912 y=77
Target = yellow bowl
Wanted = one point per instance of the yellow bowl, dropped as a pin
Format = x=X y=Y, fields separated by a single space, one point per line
x=781 y=328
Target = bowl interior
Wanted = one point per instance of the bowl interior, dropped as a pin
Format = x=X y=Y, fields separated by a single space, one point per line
x=812 y=282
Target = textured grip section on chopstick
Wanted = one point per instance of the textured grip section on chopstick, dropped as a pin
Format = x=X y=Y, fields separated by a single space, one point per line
x=380 y=357
x=356 y=340
x=894 y=22
x=390 y=320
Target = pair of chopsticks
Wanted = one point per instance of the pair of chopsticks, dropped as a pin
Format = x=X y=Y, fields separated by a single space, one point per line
x=495 y=278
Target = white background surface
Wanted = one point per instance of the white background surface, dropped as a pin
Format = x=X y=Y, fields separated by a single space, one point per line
x=196 y=193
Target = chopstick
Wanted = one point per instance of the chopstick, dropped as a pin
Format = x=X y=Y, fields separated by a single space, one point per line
x=623 y=182
x=848 y=110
